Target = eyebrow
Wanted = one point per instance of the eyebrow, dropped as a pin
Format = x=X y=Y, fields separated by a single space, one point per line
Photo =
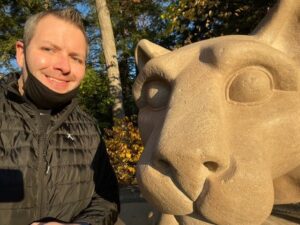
x=51 y=43
x=76 y=54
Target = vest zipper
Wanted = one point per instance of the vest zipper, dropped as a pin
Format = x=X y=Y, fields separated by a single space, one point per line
x=44 y=164
x=45 y=169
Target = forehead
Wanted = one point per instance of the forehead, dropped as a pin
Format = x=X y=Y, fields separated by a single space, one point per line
x=54 y=29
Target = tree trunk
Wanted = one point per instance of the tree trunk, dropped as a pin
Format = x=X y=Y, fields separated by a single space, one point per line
x=110 y=54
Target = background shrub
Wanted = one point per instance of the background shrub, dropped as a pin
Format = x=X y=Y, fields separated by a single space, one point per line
x=124 y=147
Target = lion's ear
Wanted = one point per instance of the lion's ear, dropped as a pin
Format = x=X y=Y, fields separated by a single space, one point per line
x=147 y=50
x=281 y=28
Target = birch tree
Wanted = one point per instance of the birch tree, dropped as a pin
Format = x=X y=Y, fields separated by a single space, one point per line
x=110 y=54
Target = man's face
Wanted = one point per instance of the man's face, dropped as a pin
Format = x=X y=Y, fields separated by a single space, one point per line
x=55 y=55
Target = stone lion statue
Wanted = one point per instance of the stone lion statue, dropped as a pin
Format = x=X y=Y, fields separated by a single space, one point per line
x=220 y=121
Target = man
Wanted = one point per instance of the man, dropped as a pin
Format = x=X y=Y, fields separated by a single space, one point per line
x=54 y=168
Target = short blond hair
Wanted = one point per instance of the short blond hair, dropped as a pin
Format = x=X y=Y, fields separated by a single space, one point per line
x=70 y=15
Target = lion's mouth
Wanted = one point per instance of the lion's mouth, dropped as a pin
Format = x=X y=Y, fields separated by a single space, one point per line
x=195 y=219
x=172 y=197
x=168 y=198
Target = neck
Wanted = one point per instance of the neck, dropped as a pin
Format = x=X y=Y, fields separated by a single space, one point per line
x=21 y=85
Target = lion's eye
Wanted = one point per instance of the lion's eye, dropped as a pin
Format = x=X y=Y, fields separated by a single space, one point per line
x=157 y=93
x=249 y=85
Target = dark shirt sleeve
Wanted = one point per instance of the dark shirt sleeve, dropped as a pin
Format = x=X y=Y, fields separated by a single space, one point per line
x=104 y=206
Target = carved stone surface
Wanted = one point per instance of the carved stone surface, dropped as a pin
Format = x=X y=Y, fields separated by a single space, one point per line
x=220 y=121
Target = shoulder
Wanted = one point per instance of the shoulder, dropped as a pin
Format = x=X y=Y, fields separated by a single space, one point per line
x=4 y=80
x=5 y=92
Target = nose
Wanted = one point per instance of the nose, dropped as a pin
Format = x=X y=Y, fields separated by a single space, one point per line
x=62 y=63
x=193 y=147
x=190 y=161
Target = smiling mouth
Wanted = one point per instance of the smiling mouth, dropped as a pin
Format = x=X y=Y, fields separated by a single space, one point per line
x=52 y=79
x=58 y=85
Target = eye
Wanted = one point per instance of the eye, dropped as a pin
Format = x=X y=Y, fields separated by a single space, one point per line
x=77 y=60
x=250 y=84
x=157 y=93
x=47 y=49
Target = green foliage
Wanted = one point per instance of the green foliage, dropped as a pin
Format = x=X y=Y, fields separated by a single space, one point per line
x=124 y=147
x=134 y=20
x=94 y=97
x=191 y=21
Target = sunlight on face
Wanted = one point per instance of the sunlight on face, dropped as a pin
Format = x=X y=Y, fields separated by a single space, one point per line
x=55 y=55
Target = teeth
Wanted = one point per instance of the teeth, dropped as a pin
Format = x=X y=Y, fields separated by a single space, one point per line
x=55 y=80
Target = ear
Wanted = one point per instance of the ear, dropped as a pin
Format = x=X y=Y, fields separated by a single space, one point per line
x=147 y=50
x=20 y=53
x=281 y=27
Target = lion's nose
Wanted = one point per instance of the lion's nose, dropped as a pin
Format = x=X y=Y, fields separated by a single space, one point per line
x=189 y=166
x=190 y=157
x=189 y=172
x=211 y=166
